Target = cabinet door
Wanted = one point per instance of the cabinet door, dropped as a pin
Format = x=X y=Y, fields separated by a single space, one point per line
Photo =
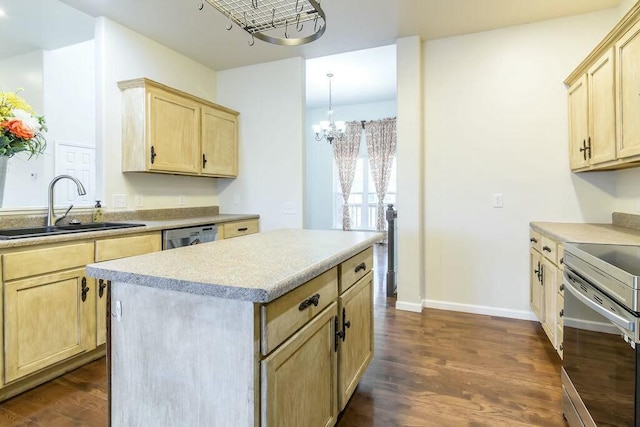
x=299 y=378
x=48 y=320
x=578 y=126
x=550 y=289
x=219 y=143
x=602 y=110
x=536 y=291
x=628 y=89
x=356 y=348
x=173 y=126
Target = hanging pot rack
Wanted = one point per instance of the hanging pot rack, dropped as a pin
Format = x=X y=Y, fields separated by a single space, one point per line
x=303 y=21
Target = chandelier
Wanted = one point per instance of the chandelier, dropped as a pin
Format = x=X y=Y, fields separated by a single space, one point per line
x=329 y=129
x=281 y=22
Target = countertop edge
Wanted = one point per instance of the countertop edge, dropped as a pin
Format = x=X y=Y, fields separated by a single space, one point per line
x=587 y=232
x=255 y=295
x=149 y=226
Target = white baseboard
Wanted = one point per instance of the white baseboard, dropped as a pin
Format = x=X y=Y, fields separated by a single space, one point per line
x=479 y=309
x=409 y=306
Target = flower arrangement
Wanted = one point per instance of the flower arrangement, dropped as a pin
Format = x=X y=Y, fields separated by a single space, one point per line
x=20 y=127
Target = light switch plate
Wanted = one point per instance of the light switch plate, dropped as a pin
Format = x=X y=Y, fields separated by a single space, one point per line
x=119 y=200
x=497 y=200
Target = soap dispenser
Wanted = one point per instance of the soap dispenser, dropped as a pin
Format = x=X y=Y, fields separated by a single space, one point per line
x=97 y=212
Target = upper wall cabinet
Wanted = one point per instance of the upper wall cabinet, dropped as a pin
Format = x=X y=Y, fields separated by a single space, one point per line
x=168 y=131
x=604 y=105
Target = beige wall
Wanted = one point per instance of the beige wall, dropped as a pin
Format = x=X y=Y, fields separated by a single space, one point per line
x=122 y=54
x=495 y=121
x=270 y=98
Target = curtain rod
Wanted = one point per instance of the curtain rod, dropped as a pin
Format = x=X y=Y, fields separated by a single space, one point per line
x=363 y=121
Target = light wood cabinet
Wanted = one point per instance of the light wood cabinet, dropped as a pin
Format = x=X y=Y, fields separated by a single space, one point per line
x=113 y=248
x=356 y=349
x=592 y=120
x=628 y=89
x=228 y=230
x=219 y=142
x=49 y=307
x=299 y=378
x=536 y=293
x=342 y=334
x=165 y=130
x=545 y=285
x=604 y=133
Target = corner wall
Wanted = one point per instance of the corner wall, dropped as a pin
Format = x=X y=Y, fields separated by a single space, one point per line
x=496 y=122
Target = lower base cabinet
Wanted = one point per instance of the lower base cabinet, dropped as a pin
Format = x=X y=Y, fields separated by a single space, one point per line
x=356 y=346
x=299 y=378
x=49 y=319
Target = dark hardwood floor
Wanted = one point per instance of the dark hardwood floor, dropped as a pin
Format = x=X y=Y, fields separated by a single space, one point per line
x=438 y=368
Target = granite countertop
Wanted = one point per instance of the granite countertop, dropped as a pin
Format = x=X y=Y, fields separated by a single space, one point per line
x=590 y=233
x=149 y=225
x=258 y=267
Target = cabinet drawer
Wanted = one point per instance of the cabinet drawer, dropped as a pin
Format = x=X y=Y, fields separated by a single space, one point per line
x=285 y=315
x=127 y=246
x=549 y=249
x=46 y=260
x=235 y=229
x=534 y=239
x=355 y=268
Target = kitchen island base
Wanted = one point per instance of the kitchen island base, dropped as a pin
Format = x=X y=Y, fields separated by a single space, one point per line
x=290 y=354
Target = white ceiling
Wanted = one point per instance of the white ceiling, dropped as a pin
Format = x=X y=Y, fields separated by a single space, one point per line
x=352 y=25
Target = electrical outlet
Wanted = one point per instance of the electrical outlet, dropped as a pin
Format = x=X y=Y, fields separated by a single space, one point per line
x=138 y=201
x=497 y=200
x=289 y=208
x=119 y=200
x=181 y=201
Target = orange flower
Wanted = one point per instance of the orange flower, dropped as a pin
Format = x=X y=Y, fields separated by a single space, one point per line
x=18 y=128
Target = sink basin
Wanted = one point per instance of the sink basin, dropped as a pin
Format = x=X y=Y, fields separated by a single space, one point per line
x=21 y=233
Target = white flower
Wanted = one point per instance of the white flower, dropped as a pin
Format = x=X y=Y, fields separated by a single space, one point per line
x=27 y=119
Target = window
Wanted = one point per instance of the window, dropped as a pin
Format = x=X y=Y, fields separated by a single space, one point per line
x=363 y=200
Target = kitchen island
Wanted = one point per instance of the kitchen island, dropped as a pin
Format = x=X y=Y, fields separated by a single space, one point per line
x=271 y=329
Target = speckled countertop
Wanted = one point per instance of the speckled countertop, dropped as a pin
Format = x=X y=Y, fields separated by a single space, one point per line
x=258 y=267
x=622 y=231
x=149 y=225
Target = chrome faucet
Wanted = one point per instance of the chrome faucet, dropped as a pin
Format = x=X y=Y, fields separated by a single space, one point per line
x=52 y=219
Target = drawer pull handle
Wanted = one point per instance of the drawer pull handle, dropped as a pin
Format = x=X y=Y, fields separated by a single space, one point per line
x=361 y=266
x=547 y=248
x=85 y=289
x=243 y=229
x=561 y=313
x=533 y=240
x=562 y=286
x=312 y=300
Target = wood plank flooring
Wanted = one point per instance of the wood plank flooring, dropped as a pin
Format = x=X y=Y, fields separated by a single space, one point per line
x=438 y=368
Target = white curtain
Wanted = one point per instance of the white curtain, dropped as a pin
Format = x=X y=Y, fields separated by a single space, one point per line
x=345 y=152
x=381 y=149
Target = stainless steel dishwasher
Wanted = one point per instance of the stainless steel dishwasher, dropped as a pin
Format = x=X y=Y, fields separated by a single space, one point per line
x=178 y=237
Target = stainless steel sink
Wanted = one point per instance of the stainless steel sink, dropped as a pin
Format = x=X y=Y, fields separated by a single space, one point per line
x=21 y=233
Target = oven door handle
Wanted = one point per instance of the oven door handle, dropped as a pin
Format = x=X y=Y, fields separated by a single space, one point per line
x=617 y=320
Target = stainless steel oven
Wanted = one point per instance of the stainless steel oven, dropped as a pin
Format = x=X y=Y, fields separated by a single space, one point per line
x=600 y=372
